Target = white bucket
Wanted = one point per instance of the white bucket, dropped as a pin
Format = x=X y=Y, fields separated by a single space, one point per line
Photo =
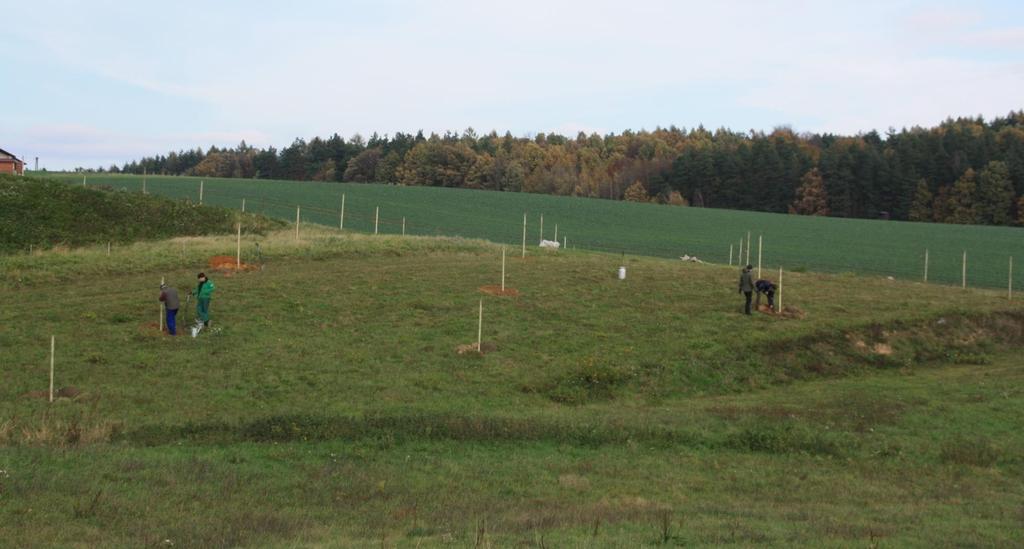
x=622 y=273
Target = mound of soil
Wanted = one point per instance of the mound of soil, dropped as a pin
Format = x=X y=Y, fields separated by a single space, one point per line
x=787 y=312
x=470 y=348
x=229 y=263
x=495 y=289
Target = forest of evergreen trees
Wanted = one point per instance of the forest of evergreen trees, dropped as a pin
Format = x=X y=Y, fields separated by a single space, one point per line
x=966 y=170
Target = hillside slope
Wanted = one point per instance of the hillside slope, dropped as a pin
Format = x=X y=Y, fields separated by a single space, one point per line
x=41 y=213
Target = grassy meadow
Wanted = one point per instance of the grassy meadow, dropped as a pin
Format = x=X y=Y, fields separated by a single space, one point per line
x=329 y=406
x=883 y=248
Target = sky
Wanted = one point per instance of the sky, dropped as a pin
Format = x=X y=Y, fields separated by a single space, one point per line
x=101 y=82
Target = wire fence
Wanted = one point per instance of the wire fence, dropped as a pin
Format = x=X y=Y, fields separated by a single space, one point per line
x=879 y=248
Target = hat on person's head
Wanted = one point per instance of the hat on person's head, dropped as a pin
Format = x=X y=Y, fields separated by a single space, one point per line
x=201 y=275
x=162 y=285
x=750 y=267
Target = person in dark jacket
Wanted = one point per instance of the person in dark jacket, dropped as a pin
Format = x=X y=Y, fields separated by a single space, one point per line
x=766 y=287
x=169 y=295
x=747 y=286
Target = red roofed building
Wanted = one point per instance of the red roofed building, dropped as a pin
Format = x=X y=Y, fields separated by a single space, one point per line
x=11 y=164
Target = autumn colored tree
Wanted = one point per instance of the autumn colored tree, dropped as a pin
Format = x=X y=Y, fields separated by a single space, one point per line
x=636 y=193
x=921 y=208
x=963 y=200
x=811 y=198
x=995 y=194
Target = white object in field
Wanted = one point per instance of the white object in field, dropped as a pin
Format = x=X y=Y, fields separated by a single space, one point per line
x=622 y=273
x=691 y=258
x=550 y=244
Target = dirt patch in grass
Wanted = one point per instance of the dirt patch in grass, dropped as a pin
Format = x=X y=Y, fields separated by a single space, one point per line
x=230 y=263
x=787 y=312
x=494 y=289
x=470 y=348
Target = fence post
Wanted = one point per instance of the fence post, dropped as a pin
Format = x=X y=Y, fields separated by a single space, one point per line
x=748 y=247
x=108 y=248
x=542 y=226
x=403 y=226
x=963 y=277
x=297 y=219
x=759 y=256
x=780 y=290
x=739 y=256
x=503 y=269
x=243 y=205
x=376 y=219
x=556 y=232
x=524 y=235
x=83 y=181
x=730 y=255
x=53 y=347
x=480 y=328
x=926 y=265
x=341 y=224
x=200 y=191
x=238 y=249
x=1009 y=285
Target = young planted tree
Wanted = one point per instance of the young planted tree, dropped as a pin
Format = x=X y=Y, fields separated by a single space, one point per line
x=811 y=198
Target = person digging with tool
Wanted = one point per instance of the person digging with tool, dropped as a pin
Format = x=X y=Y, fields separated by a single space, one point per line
x=746 y=286
x=203 y=293
x=766 y=287
x=169 y=295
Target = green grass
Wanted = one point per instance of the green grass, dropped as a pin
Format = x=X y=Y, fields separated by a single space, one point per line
x=37 y=213
x=885 y=248
x=330 y=407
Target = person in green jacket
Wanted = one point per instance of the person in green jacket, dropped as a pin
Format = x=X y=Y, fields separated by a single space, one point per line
x=203 y=293
x=747 y=285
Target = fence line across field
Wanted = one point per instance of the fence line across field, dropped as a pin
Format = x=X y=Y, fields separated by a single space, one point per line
x=898 y=269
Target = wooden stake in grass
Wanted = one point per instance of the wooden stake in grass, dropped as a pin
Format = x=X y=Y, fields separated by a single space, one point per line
x=297 y=220
x=963 y=276
x=238 y=249
x=200 y=191
x=565 y=243
x=748 y=247
x=779 y=302
x=739 y=256
x=243 y=205
x=926 y=264
x=759 y=256
x=108 y=248
x=524 y=235
x=1009 y=286
x=376 y=219
x=730 y=255
x=556 y=232
x=341 y=224
x=83 y=181
x=479 y=330
x=502 y=269
x=403 y=226
x=163 y=311
x=542 y=227
x=53 y=347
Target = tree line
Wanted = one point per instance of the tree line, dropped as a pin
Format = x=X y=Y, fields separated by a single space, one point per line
x=965 y=170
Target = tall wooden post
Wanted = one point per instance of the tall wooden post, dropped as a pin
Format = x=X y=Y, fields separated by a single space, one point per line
x=739 y=256
x=53 y=347
x=730 y=255
x=542 y=226
x=556 y=232
x=200 y=191
x=759 y=256
x=779 y=302
x=524 y=235
x=963 y=276
x=238 y=249
x=341 y=224
x=403 y=226
x=480 y=328
x=748 y=247
x=243 y=205
x=376 y=219
x=297 y=220
x=502 y=269
x=926 y=264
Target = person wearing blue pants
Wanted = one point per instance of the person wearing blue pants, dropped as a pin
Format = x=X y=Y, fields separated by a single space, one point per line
x=169 y=295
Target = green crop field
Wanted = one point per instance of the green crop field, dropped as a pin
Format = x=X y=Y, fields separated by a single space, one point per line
x=329 y=406
x=881 y=248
